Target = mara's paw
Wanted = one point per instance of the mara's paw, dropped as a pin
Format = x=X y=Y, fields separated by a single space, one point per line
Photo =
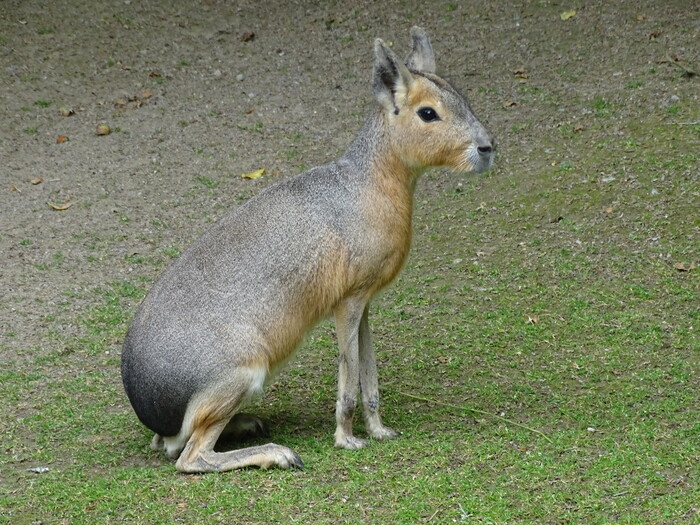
x=245 y=426
x=288 y=459
x=350 y=442
x=382 y=432
x=293 y=460
x=157 y=442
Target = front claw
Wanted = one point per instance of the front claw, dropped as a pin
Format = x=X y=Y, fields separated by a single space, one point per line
x=350 y=442
x=383 y=432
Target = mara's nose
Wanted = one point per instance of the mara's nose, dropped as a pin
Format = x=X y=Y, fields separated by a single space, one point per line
x=485 y=145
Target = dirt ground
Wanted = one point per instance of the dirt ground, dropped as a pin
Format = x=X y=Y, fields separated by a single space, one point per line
x=195 y=94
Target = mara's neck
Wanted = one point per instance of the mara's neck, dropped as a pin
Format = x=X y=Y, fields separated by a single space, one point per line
x=384 y=172
x=375 y=155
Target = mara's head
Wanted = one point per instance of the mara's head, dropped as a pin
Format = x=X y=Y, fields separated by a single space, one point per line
x=431 y=122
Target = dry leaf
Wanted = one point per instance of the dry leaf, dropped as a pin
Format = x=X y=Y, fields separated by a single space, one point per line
x=567 y=14
x=147 y=94
x=103 y=129
x=61 y=139
x=532 y=319
x=684 y=266
x=248 y=36
x=510 y=104
x=36 y=180
x=63 y=206
x=578 y=128
x=520 y=73
x=66 y=111
x=254 y=174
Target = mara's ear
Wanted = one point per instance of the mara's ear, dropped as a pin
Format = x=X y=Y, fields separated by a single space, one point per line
x=391 y=77
x=421 y=57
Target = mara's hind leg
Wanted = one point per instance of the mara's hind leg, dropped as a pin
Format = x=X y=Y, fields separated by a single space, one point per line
x=199 y=454
x=244 y=426
x=210 y=420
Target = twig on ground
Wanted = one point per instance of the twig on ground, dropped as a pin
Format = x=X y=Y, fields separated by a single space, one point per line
x=476 y=411
x=686 y=70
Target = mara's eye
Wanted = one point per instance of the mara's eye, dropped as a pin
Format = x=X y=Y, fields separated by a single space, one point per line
x=428 y=114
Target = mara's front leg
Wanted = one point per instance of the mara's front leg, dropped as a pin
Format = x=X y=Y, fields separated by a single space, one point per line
x=369 y=383
x=348 y=315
